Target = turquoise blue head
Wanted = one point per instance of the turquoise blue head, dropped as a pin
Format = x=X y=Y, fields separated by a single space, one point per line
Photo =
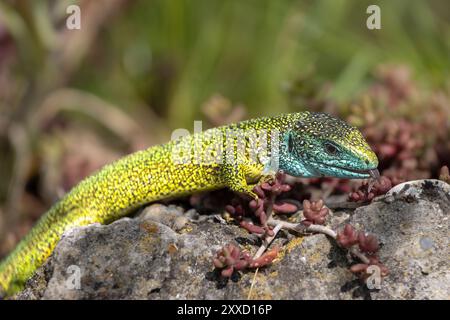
x=319 y=145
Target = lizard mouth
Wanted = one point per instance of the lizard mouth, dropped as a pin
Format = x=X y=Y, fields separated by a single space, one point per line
x=373 y=173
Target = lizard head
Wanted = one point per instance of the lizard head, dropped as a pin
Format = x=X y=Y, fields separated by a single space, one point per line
x=321 y=145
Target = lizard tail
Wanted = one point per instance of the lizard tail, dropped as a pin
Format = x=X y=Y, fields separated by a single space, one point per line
x=33 y=250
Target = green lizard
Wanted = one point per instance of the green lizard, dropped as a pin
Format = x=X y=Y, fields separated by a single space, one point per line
x=302 y=144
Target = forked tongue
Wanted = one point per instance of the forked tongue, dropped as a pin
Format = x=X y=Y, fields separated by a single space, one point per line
x=375 y=174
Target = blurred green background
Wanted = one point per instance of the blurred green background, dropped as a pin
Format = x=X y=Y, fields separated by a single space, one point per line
x=173 y=55
x=72 y=100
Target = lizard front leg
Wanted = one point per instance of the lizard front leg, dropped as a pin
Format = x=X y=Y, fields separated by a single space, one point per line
x=235 y=178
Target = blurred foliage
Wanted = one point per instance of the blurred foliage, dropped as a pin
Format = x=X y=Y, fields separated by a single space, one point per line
x=73 y=100
x=175 y=54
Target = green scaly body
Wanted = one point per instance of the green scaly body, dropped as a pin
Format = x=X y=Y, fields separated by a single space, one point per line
x=156 y=173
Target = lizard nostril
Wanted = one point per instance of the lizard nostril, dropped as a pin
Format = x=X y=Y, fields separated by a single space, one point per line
x=367 y=161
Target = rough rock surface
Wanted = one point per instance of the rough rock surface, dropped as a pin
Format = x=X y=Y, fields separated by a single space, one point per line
x=165 y=253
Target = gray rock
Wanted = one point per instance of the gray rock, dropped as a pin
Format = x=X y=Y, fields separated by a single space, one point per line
x=164 y=254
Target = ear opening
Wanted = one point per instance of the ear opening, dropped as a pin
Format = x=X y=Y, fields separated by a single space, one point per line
x=289 y=142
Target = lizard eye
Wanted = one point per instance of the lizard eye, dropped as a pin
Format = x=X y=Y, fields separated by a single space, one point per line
x=331 y=149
